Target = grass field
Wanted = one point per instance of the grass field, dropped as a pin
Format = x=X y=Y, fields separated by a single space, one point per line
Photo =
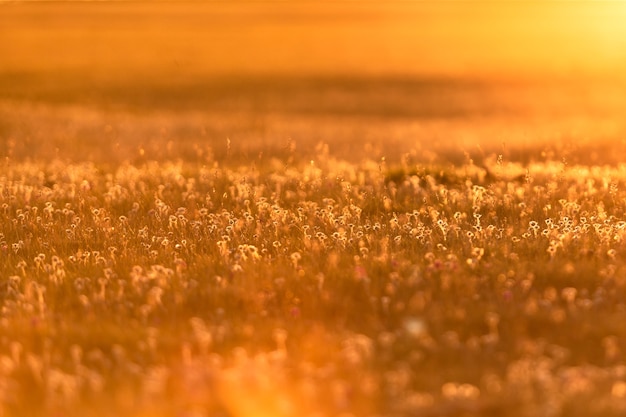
x=206 y=210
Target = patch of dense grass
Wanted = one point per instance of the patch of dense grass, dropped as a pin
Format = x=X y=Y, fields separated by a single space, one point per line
x=313 y=288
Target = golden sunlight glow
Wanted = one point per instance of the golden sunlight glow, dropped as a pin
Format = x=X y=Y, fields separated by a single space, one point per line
x=293 y=208
x=455 y=38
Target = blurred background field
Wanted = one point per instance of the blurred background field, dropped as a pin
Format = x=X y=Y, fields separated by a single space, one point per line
x=125 y=81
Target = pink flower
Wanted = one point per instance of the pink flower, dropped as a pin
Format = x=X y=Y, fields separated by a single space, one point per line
x=360 y=274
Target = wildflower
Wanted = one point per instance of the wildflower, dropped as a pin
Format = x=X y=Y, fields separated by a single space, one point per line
x=295 y=259
x=568 y=294
x=360 y=274
x=414 y=326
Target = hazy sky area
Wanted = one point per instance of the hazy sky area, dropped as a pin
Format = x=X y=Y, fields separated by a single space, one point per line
x=467 y=38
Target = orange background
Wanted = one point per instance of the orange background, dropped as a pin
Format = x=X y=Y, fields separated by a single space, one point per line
x=502 y=39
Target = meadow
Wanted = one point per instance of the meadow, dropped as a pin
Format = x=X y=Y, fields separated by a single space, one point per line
x=296 y=282
x=213 y=220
